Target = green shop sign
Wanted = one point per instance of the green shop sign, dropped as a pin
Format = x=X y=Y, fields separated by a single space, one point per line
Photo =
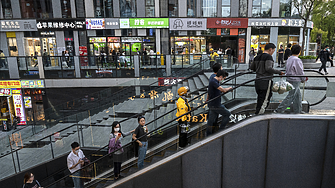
x=144 y=23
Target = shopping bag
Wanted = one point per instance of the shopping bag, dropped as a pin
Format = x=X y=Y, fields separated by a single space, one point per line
x=282 y=86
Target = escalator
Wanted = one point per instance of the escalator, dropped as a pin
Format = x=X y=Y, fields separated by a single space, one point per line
x=164 y=138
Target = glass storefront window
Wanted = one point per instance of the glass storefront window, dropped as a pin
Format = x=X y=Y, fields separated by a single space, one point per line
x=188 y=45
x=80 y=8
x=127 y=8
x=66 y=9
x=12 y=47
x=36 y=9
x=225 y=8
x=293 y=40
x=32 y=46
x=7 y=9
x=285 y=8
x=282 y=40
x=261 y=8
x=113 y=45
x=149 y=8
x=243 y=8
x=191 y=8
x=173 y=8
x=103 y=8
x=209 y=8
x=225 y=31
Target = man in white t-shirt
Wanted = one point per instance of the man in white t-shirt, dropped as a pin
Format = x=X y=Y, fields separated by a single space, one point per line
x=74 y=163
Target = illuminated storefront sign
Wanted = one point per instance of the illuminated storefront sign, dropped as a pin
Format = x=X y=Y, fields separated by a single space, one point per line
x=227 y=22
x=5 y=92
x=18 y=106
x=10 y=84
x=67 y=24
x=112 y=23
x=144 y=23
x=18 y=25
x=254 y=22
x=95 y=23
x=188 y=24
x=32 y=83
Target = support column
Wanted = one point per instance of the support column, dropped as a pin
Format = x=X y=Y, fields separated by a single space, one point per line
x=77 y=66
x=60 y=41
x=118 y=32
x=182 y=8
x=219 y=8
x=1 y=12
x=20 y=43
x=89 y=8
x=40 y=67
x=301 y=36
x=4 y=43
x=76 y=43
x=248 y=44
x=274 y=40
x=249 y=9
x=158 y=40
x=198 y=13
x=307 y=41
x=275 y=8
x=157 y=8
x=234 y=8
x=137 y=66
x=12 y=67
x=116 y=8
x=16 y=11
x=140 y=8
x=73 y=9
x=168 y=65
x=56 y=9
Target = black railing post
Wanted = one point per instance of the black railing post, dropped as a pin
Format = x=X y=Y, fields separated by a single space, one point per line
x=11 y=150
x=18 y=161
x=52 y=151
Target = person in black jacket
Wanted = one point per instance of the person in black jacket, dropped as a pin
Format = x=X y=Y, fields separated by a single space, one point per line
x=324 y=55
x=30 y=182
x=263 y=66
x=288 y=52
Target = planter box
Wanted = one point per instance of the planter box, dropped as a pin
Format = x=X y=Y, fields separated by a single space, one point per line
x=308 y=61
x=310 y=64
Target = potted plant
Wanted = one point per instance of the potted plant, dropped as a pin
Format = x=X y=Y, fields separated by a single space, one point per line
x=308 y=59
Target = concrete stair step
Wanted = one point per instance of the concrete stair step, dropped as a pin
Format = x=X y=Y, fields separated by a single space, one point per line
x=198 y=83
x=204 y=80
x=191 y=85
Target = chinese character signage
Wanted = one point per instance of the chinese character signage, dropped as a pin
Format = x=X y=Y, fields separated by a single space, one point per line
x=10 y=84
x=144 y=23
x=5 y=92
x=18 y=25
x=64 y=24
x=188 y=24
x=32 y=83
x=18 y=106
x=227 y=22
x=253 y=22
x=27 y=102
x=95 y=23
x=112 y=23
x=167 y=81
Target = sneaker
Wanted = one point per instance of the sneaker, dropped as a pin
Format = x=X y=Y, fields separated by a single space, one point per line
x=275 y=112
x=326 y=73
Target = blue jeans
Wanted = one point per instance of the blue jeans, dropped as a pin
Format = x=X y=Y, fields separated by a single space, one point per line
x=293 y=96
x=141 y=154
x=214 y=111
x=78 y=183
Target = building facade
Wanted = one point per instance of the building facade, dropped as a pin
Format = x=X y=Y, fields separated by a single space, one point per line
x=32 y=27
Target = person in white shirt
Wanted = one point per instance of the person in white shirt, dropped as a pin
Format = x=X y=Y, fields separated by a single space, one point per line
x=74 y=163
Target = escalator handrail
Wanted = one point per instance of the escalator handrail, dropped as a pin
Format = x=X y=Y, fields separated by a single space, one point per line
x=173 y=120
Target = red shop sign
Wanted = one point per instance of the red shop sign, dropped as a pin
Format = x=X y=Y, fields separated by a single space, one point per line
x=227 y=22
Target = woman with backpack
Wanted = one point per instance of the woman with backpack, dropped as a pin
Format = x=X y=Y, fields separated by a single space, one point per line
x=114 y=144
x=30 y=182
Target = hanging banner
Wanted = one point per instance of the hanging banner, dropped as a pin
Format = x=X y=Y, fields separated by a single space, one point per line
x=187 y=24
x=227 y=22
x=18 y=106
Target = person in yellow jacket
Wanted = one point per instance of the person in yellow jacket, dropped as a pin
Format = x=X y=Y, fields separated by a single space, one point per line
x=212 y=57
x=182 y=108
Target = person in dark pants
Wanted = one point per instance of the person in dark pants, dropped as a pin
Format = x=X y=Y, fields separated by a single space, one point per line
x=332 y=51
x=324 y=56
x=263 y=66
x=215 y=106
x=182 y=108
x=142 y=142
x=114 y=146
x=260 y=51
x=288 y=52
x=280 y=56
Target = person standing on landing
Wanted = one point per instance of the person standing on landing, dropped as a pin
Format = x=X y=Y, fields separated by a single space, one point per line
x=142 y=142
x=294 y=67
x=263 y=66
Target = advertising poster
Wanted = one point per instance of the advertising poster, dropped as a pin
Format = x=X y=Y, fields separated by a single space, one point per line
x=5 y=92
x=254 y=42
x=95 y=24
x=18 y=106
x=83 y=55
x=27 y=102
x=241 y=50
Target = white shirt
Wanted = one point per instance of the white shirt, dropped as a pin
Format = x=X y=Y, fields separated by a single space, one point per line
x=73 y=159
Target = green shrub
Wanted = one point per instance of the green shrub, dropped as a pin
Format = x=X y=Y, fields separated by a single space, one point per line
x=307 y=57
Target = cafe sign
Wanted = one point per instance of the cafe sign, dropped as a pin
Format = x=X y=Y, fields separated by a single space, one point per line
x=18 y=25
x=144 y=23
x=186 y=24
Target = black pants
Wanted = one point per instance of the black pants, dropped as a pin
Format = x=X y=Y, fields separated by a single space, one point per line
x=117 y=169
x=262 y=87
x=323 y=66
x=183 y=141
x=280 y=61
